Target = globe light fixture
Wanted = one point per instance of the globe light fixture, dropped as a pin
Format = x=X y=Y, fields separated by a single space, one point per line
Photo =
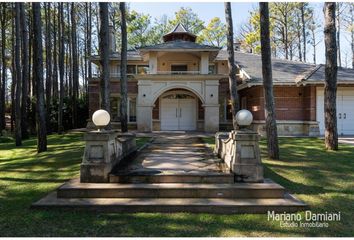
x=101 y=119
x=244 y=118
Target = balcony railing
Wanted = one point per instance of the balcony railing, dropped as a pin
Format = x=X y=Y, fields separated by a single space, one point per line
x=117 y=75
x=177 y=72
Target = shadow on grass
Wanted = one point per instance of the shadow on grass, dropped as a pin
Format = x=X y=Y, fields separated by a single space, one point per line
x=294 y=187
x=304 y=170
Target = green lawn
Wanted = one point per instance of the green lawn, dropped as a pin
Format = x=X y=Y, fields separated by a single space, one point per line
x=325 y=180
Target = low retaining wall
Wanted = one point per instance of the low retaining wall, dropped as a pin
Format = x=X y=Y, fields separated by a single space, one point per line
x=285 y=128
x=103 y=151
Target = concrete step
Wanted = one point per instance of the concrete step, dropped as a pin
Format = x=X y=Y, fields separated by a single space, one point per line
x=173 y=177
x=75 y=189
x=192 y=205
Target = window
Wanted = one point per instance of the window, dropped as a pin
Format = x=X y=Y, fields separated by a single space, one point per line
x=115 y=70
x=178 y=96
x=143 y=69
x=131 y=69
x=115 y=109
x=115 y=102
x=176 y=69
x=132 y=110
x=212 y=69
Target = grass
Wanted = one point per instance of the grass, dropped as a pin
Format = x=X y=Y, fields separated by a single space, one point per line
x=325 y=180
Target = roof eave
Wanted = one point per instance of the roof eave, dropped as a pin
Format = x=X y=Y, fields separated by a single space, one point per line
x=178 y=49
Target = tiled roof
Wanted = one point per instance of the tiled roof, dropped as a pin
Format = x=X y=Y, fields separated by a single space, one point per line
x=284 y=71
x=179 y=44
x=179 y=28
x=132 y=55
x=344 y=76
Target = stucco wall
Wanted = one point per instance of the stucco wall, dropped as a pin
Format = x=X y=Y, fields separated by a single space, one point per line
x=165 y=60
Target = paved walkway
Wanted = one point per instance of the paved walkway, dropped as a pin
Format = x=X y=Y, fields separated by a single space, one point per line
x=174 y=153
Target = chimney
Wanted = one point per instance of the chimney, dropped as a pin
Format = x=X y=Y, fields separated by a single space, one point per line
x=237 y=45
x=112 y=39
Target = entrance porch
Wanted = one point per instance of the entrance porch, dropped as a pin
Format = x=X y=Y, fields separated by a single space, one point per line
x=177 y=102
x=174 y=173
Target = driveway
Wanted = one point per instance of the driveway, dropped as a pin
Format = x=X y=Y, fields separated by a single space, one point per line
x=347 y=140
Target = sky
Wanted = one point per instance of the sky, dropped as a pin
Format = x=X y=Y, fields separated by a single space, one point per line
x=240 y=14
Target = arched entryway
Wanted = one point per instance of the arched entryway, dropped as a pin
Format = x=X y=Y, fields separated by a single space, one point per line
x=178 y=111
x=202 y=96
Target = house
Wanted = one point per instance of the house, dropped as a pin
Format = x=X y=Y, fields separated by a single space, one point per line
x=182 y=85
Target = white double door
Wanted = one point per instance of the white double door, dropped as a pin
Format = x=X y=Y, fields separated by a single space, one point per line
x=345 y=111
x=178 y=114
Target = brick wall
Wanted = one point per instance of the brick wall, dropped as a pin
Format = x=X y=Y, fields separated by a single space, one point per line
x=291 y=102
x=94 y=92
x=156 y=110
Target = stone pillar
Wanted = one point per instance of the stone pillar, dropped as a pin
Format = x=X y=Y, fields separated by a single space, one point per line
x=211 y=106
x=153 y=62
x=144 y=118
x=211 y=118
x=144 y=106
x=242 y=155
x=204 y=63
x=101 y=155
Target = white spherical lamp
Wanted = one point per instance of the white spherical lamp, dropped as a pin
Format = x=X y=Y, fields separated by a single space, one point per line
x=244 y=118
x=101 y=118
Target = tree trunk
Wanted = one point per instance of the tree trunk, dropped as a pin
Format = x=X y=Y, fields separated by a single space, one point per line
x=75 y=66
x=339 y=61
x=104 y=54
x=3 y=75
x=271 y=125
x=298 y=32
x=89 y=41
x=314 y=45
x=48 y=61
x=303 y=30
x=286 y=35
x=32 y=84
x=330 y=91
x=55 y=56
x=38 y=75
x=61 y=67
x=352 y=31
x=235 y=105
x=18 y=134
x=88 y=47
x=69 y=63
x=25 y=74
x=123 y=71
x=13 y=72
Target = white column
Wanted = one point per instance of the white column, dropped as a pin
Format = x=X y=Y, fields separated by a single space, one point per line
x=204 y=63
x=153 y=62
x=211 y=106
